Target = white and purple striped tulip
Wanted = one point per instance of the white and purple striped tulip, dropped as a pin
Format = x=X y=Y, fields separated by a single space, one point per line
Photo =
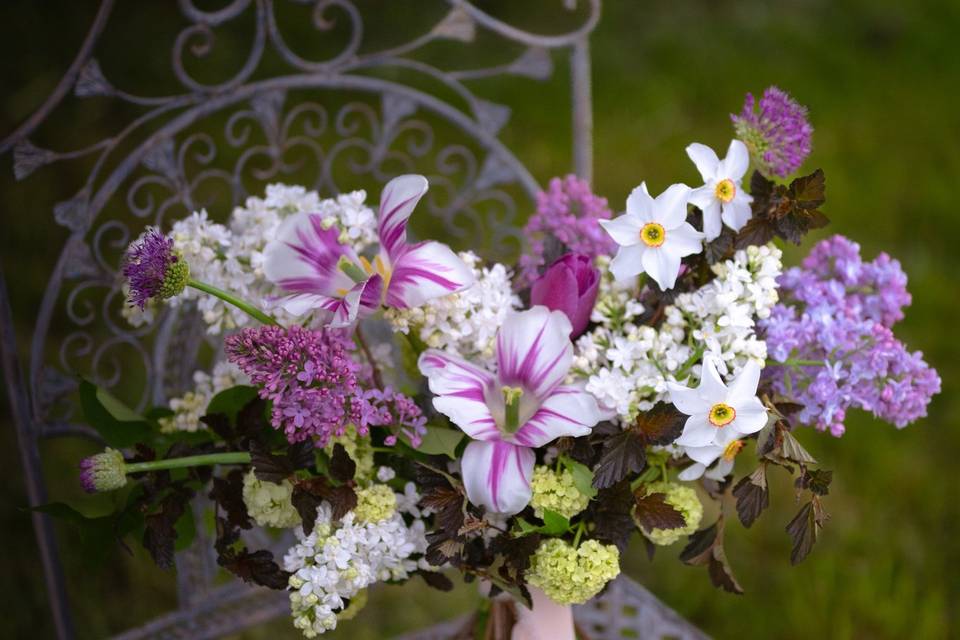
x=508 y=414
x=323 y=274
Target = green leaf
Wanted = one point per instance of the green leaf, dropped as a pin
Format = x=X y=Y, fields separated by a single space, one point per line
x=230 y=401
x=582 y=476
x=119 y=425
x=439 y=441
x=554 y=524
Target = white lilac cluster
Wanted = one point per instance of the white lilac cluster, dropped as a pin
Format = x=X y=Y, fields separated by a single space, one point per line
x=628 y=365
x=463 y=323
x=188 y=408
x=231 y=256
x=340 y=559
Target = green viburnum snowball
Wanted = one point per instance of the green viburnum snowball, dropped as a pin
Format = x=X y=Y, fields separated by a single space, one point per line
x=556 y=491
x=269 y=503
x=573 y=576
x=683 y=499
x=375 y=503
x=175 y=280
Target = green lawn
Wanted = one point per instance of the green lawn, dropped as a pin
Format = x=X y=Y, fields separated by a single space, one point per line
x=880 y=79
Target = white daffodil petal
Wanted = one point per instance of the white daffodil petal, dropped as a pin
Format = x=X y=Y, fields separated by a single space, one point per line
x=640 y=204
x=697 y=432
x=705 y=159
x=737 y=161
x=662 y=265
x=625 y=229
x=670 y=207
x=628 y=262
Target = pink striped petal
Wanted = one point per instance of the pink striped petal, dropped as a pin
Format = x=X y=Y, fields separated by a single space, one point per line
x=425 y=271
x=569 y=411
x=534 y=350
x=497 y=475
x=337 y=312
x=303 y=257
x=397 y=202
x=461 y=391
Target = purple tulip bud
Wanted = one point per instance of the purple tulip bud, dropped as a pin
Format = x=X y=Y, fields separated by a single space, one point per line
x=570 y=285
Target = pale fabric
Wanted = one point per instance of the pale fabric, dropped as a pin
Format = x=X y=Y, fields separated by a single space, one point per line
x=546 y=621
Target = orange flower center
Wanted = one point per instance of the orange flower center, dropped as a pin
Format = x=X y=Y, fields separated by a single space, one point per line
x=721 y=414
x=653 y=234
x=732 y=449
x=725 y=190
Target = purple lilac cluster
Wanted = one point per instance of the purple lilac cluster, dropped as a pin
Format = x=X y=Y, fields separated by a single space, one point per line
x=568 y=212
x=315 y=386
x=778 y=135
x=147 y=266
x=833 y=331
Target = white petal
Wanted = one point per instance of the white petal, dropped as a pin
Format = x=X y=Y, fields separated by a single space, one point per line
x=705 y=158
x=397 y=201
x=711 y=386
x=303 y=257
x=687 y=400
x=670 y=207
x=736 y=214
x=497 y=475
x=697 y=432
x=704 y=455
x=662 y=265
x=628 y=262
x=568 y=411
x=721 y=471
x=684 y=240
x=737 y=161
x=711 y=220
x=461 y=390
x=751 y=416
x=625 y=229
x=640 y=204
x=693 y=472
x=426 y=271
x=703 y=197
x=534 y=350
x=744 y=386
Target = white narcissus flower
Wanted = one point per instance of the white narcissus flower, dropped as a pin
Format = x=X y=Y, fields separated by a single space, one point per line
x=721 y=197
x=653 y=235
x=719 y=414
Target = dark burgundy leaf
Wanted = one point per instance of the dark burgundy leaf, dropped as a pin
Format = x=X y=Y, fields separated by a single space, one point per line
x=256 y=566
x=306 y=504
x=653 y=512
x=623 y=454
x=342 y=467
x=159 y=536
x=809 y=192
x=757 y=232
x=815 y=480
x=342 y=499
x=752 y=495
x=251 y=419
x=661 y=425
x=721 y=575
x=269 y=467
x=700 y=546
x=611 y=511
x=803 y=530
x=437 y=580
x=301 y=454
x=721 y=248
x=219 y=423
x=227 y=492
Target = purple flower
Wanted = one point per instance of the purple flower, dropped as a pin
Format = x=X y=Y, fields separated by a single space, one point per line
x=778 y=136
x=316 y=387
x=153 y=269
x=507 y=414
x=104 y=471
x=570 y=285
x=567 y=214
x=833 y=331
x=308 y=259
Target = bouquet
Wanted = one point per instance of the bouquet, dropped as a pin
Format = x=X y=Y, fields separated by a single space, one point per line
x=402 y=409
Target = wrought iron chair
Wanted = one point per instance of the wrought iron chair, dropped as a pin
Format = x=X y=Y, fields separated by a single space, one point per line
x=354 y=112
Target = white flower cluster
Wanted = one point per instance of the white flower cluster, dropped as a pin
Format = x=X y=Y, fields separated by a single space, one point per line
x=269 y=503
x=463 y=323
x=339 y=559
x=231 y=256
x=628 y=365
x=188 y=408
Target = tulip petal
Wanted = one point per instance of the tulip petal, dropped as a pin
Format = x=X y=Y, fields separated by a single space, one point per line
x=568 y=411
x=425 y=271
x=461 y=390
x=397 y=201
x=497 y=475
x=557 y=289
x=303 y=257
x=534 y=350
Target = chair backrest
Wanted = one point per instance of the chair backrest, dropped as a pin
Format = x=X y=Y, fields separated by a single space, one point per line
x=327 y=110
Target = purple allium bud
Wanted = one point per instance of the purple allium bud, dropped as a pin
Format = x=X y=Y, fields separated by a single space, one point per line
x=778 y=135
x=103 y=472
x=153 y=269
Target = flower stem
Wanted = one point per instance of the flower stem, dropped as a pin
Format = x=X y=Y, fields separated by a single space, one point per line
x=243 y=305
x=237 y=457
x=358 y=338
x=791 y=362
x=576 y=537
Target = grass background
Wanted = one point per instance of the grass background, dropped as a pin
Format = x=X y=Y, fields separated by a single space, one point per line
x=880 y=80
